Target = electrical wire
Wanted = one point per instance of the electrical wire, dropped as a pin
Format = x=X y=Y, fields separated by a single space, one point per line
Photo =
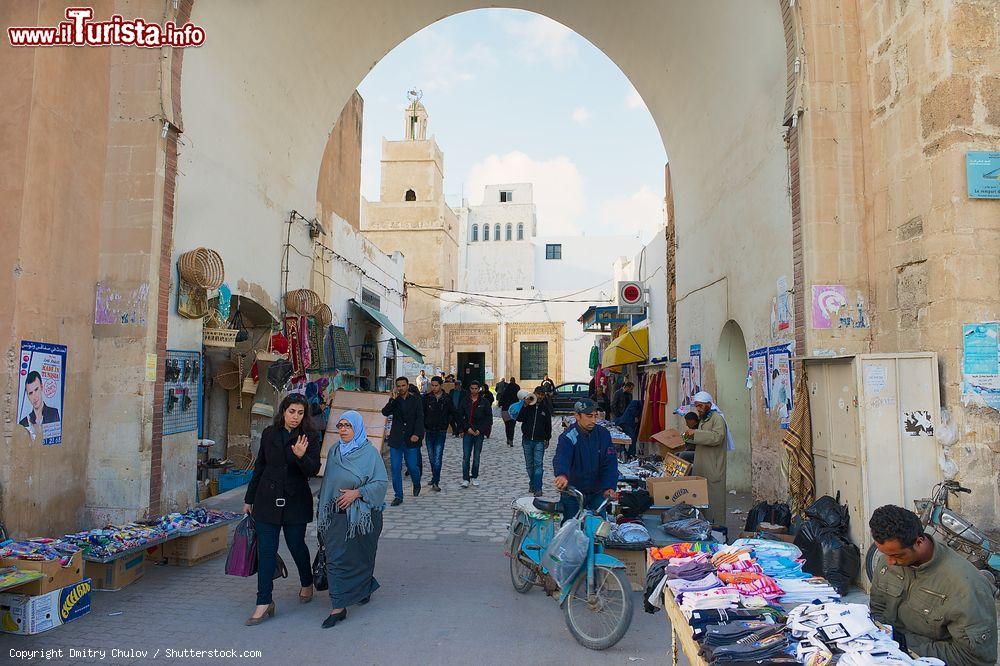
x=559 y=299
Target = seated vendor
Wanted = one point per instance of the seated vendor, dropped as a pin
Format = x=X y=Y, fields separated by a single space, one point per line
x=936 y=601
x=585 y=459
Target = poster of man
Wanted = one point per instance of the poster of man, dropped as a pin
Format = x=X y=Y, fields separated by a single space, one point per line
x=41 y=390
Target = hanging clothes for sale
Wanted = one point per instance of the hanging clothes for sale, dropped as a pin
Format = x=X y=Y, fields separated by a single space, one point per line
x=595 y=358
x=315 y=345
x=294 y=346
x=304 y=343
x=646 y=423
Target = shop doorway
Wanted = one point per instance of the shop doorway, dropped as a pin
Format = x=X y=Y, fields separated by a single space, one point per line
x=471 y=365
x=733 y=399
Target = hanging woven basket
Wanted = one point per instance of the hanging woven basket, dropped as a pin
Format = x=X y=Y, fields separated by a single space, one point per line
x=202 y=267
x=324 y=315
x=303 y=302
x=228 y=376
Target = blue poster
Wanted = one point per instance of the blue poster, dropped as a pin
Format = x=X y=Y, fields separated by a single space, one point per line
x=41 y=390
x=982 y=174
x=981 y=364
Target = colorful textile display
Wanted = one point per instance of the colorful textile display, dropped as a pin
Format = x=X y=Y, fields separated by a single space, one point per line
x=294 y=346
x=798 y=445
x=317 y=361
x=306 y=348
x=38 y=550
x=682 y=550
x=116 y=539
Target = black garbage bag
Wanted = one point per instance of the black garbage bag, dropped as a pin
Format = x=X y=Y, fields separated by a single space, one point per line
x=828 y=553
x=829 y=512
x=679 y=511
x=778 y=513
x=634 y=504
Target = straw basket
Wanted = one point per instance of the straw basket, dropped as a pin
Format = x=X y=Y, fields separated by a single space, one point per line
x=324 y=315
x=202 y=267
x=219 y=337
x=303 y=302
x=228 y=376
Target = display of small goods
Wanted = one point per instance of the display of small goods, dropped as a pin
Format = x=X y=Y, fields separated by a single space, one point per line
x=194 y=519
x=674 y=466
x=40 y=550
x=12 y=577
x=182 y=382
x=114 y=540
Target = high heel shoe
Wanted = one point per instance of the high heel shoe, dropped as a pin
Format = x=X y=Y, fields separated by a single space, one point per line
x=365 y=600
x=253 y=621
x=332 y=619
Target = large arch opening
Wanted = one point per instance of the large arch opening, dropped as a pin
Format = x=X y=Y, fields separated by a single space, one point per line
x=733 y=398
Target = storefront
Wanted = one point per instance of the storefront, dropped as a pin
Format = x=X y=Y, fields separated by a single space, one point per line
x=381 y=348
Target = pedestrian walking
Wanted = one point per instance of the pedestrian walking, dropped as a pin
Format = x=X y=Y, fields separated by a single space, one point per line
x=279 y=499
x=549 y=385
x=505 y=399
x=407 y=412
x=438 y=414
x=476 y=414
x=423 y=383
x=351 y=501
x=456 y=397
x=535 y=416
x=501 y=386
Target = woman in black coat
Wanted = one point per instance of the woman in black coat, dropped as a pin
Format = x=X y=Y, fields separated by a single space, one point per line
x=278 y=497
x=507 y=398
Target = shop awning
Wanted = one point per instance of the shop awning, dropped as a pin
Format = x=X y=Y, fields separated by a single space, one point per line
x=405 y=347
x=632 y=347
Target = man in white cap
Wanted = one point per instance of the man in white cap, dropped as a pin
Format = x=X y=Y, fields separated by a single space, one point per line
x=712 y=442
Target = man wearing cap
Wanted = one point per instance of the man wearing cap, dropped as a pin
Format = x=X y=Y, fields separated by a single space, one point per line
x=711 y=440
x=585 y=459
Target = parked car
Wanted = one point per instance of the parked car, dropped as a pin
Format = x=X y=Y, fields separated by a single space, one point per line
x=566 y=395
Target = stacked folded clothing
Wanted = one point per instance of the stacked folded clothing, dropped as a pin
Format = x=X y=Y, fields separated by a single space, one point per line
x=733 y=632
x=701 y=620
x=718 y=598
x=683 y=550
x=690 y=569
x=806 y=591
x=767 y=648
x=681 y=586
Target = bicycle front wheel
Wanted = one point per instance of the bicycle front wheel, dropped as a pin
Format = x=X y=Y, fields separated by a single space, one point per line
x=522 y=577
x=601 y=621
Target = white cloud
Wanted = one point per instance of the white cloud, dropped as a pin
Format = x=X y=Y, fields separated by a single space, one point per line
x=556 y=184
x=539 y=38
x=442 y=64
x=641 y=212
x=580 y=115
x=633 y=99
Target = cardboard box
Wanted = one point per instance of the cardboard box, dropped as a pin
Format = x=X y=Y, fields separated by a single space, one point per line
x=669 y=438
x=116 y=574
x=155 y=554
x=27 y=614
x=635 y=565
x=668 y=491
x=56 y=577
x=207 y=542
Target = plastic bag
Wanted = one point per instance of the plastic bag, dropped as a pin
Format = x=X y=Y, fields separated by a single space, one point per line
x=689 y=529
x=829 y=554
x=681 y=511
x=634 y=504
x=778 y=513
x=829 y=512
x=566 y=553
x=320 y=581
x=242 y=558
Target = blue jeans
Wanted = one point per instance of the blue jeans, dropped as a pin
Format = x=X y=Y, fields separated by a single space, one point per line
x=534 y=459
x=472 y=446
x=571 y=505
x=435 y=452
x=396 y=456
x=267 y=552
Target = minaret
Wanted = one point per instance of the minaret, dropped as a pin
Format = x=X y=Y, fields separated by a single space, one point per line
x=416 y=119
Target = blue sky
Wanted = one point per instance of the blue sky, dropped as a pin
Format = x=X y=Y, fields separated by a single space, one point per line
x=516 y=97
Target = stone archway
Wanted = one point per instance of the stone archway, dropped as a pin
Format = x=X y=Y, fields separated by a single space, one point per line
x=733 y=399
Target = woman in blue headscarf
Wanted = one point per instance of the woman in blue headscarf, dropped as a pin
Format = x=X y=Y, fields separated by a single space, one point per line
x=351 y=501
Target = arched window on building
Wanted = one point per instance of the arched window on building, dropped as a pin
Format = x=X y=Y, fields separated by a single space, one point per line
x=411 y=195
x=507 y=235
x=496 y=232
x=486 y=232
x=475 y=233
x=520 y=232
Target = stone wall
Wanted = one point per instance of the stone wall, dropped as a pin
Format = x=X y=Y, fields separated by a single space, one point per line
x=339 y=189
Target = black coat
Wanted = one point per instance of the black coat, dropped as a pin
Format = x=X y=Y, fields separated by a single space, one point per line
x=278 y=473
x=437 y=412
x=407 y=420
x=536 y=421
x=509 y=396
x=482 y=416
x=620 y=402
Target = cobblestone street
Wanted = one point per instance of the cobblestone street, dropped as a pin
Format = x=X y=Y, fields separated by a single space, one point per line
x=446 y=596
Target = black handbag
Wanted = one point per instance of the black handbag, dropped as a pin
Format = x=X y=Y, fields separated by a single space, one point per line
x=280 y=570
x=319 y=570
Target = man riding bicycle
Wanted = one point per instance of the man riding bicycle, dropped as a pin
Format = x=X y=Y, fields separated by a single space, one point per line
x=585 y=459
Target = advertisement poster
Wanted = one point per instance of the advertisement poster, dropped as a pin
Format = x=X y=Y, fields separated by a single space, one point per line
x=685 y=384
x=779 y=364
x=41 y=390
x=695 y=369
x=981 y=364
x=182 y=392
x=982 y=174
x=758 y=366
x=827 y=302
x=782 y=306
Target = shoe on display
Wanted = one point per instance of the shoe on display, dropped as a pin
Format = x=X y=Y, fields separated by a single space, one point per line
x=465 y=484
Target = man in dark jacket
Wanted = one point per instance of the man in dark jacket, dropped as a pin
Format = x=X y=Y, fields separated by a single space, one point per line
x=621 y=400
x=505 y=399
x=437 y=417
x=407 y=412
x=535 y=417
x=475 y=413
x=585 y=459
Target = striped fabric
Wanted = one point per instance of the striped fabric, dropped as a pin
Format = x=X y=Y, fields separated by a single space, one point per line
x=798 y=445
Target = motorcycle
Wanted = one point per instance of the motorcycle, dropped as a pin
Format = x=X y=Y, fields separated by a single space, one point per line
x=597 y=599
x=957 y=532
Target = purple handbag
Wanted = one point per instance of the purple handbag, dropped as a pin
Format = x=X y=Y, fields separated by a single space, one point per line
x=242 y=559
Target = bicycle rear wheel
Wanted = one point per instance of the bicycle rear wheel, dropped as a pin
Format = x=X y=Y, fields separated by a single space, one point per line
x=599 y=623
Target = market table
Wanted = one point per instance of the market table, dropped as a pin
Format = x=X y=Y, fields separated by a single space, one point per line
x=680 y=632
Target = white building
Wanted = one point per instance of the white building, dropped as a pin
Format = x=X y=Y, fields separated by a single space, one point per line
x=521 y=294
